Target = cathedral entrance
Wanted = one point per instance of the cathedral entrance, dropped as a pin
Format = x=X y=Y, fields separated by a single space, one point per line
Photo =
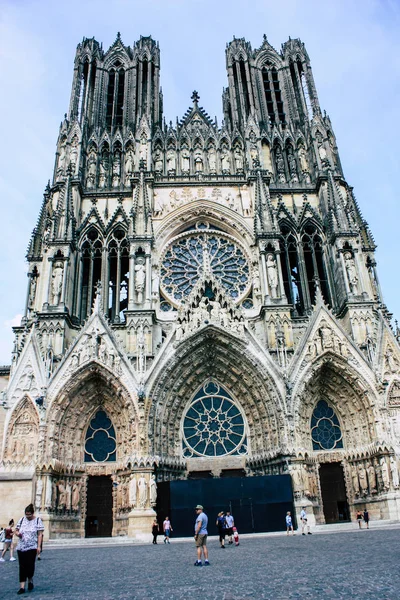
x=333 y=492
x=99 y=516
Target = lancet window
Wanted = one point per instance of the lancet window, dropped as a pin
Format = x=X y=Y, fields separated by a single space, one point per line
x=300 y=87
x=100 y=441
x=303 y=267
x=86 y=85
x=326 y=433
x=115 y=97
x=91 y=262
x=118 y=272
x=273 y=94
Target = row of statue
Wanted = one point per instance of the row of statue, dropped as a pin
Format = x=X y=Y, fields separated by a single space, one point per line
x=208 y=311
x=136 y=493
x=63 y=495
x=370 y=477
x=304 y=482
x=289 y=171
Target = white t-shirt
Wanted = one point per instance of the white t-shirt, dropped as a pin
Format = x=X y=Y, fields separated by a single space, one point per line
x=303 y=515
x=29 y=530
x=229 y=521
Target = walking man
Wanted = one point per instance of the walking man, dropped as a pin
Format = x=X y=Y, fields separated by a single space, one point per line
x=167 y=530
x=304 y=523
x=200 y=536
x=230 y=522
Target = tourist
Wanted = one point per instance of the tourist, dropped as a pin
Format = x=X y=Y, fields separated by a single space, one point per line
x=8 y=542
x=30 y=531
x=304 y=523
x=167 y=530
x=365 y=516
x=289 y=523
x=359 y=517
x=221 y=524
x=230 y=522
x=200 y=536
x=154 y=531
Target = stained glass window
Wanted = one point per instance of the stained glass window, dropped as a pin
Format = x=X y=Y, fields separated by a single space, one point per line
x=100 y=443
x=187 y=258
x=213 y=424
x=325 y=428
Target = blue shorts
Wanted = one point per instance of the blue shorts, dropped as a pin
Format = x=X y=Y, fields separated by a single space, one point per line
x=167 y=532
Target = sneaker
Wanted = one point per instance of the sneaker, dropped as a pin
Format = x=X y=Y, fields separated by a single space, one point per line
x=206 y=563
x=2 y=560
x=21 y=591
x=309 y=533
x=168 y=541
x=12 y=559
x=198 y=563
x=303 y=534
x=30 y=586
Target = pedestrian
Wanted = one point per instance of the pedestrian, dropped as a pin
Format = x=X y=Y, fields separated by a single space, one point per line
x=236 y=536
x=289 y=524
x=366 y=518
x=154 y=531
x=30 y=531
x=167 y=530
x=200 y=536
x=304 y=522
x=221 y=524
x=359 y=517
x=8 y=542
x=230 y=522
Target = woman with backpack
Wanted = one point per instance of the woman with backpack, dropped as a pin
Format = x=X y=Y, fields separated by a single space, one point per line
x=30 y=532
x=8 y=541
x=221 y=524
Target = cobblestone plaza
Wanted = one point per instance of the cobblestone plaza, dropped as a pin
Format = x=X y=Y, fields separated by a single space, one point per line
x=357 y=564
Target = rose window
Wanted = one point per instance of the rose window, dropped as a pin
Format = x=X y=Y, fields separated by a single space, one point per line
x=196 y=253
x=325 y=428
x=100 y=443
x=213 y=425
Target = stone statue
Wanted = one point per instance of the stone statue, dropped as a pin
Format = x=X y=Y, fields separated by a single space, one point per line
x=351 y=272
x=76 y=492
x=185 y=161
x=362 y=478
x=103 y=170
x=73 y=155
x=356 y=484
x=394 y=473
x=68 y=494
x=225 y=160
x=212 y=160
x=54 y=491
x=179 y=331
x=171 y=162
x=57 y=282
x=91 y=169
x=116 y=169
x=132 y=491
x=272 y=275
x=385 y=474
x=128 y=164
x=142 y=486
x=322 y=154
x=292 y=165
x=238 y=159
x=303 y=160
x=38 y=497
x=256 y=283
x=48 y=495
x=62 y=498
x=371 y=477
x=215 y=311
x=155 y=283
x=198 y=161
x=326 y=336
x=255 y=159
x=280 y=165
x=32 y=291
x=143 y=149
x=391 y=361
x=158 y=161
x=153 y=490
x=61 y=159
x=140 y=279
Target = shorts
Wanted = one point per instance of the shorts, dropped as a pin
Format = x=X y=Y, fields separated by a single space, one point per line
x=229 y=531
x=201 y=540
x=167 y=532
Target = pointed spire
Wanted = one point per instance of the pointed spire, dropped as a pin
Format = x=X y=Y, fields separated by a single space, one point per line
x=141 y=213
x=264 y=214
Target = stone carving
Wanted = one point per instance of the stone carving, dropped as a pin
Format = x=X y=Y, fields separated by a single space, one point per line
x=57 y=282
x=256 y=283
x=48 y=495
x=116 y=169
x=76 y=494
x=68 y=495
x=225 y=160
x=362 y=478
x=355 y=482
x=61 y=159
x=38 y=496
x=255 y=158
x=140 y=279
x=132 y=491
x=128 y=164
x=32 y=291
x=73 y=155
x=23 y=437
x=394 y=473
x=91 y=169
x=103 y=169
x=153 y=491
x=394 y=395
x=292 y=165
x=185 y=161
x=155 y=283
x=371 y=478
x=212 y=160
x=171 y=162
x=54 y=493
x=280 y=165
x=62 y=496
x=384 y=474
x=325 y=339
x=142 y=487
x=305 y=169
x=198 y=161
x=322 y=151
x=272 y=275
x=351 y=273
x=238 y=155
x=391 y=362
x=158 y=161
x=143 y=149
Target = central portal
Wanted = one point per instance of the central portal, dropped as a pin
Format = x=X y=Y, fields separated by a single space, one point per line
x=333 y=491
x=99 y=516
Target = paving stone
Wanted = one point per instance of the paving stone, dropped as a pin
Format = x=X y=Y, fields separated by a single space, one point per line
x=361 y=565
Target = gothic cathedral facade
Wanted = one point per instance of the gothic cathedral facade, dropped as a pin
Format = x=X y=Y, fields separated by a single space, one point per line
x=202 y=300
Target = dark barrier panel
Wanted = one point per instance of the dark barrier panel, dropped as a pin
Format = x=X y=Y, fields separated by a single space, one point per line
x=257 y=503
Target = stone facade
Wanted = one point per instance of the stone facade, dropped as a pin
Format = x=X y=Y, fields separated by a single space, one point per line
x=173 y=264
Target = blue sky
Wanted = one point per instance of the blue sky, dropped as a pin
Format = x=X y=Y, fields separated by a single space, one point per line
x=354 y=46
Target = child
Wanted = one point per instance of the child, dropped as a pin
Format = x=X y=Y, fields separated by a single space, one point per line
x=289 y=524
x=235 y=536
